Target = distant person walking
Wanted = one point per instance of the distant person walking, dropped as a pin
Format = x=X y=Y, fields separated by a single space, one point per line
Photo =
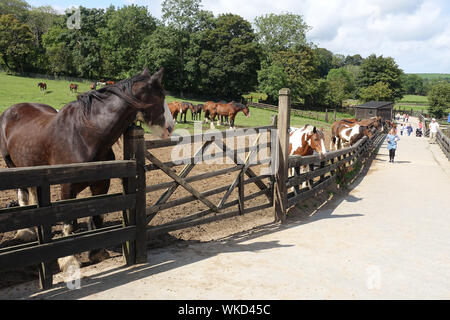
x=401 y=127
x=409 y=129
x=392 y=139
x=434 y=126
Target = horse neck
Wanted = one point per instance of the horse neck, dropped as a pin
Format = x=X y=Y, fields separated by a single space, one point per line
x=105 y=122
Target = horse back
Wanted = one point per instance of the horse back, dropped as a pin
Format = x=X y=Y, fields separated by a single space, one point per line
x=21 y=126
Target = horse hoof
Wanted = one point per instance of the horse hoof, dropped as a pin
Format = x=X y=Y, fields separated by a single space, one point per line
x=66 y=262
x=26 y=235
x=97 y=256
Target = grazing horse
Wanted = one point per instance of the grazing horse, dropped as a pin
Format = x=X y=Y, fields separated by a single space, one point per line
x=304 y=141
x=196 y=112
x=208 y=108
x=93 y=86
x=42 y=86
x=108 y=83
x=174 y=108
x=229 y=109
x=73 y=87
x=350 y=132
x=33 y=134
x=185 y=106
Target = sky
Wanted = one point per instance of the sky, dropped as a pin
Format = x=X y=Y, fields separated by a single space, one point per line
x=416 y=33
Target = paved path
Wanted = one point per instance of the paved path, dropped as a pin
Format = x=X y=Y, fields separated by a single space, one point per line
x=388 y=239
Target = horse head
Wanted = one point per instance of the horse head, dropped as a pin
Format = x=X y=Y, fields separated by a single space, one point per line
x=367 y=131
x=316 y=140
x=153 y=109
x=246 y=111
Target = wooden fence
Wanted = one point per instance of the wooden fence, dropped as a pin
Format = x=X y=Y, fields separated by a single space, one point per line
x=442 y=139
x=134 y=231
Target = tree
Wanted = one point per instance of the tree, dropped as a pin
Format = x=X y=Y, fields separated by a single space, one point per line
x=181 y=16
x=228 y=57
x=121 y=38
x=160 y=50
x=325 y=61
x=340 y=86
x=355 y=60
x=40 y=20
x=16 y=43
x=18 y=8
x=295 y=69
x=439 y=99
x=379 y=69
x=412 y=84
x=380 y=91
x=277 y=32
x=76 y=52
x=271 y=78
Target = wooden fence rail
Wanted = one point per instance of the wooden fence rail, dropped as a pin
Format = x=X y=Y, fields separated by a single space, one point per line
x=45 y=213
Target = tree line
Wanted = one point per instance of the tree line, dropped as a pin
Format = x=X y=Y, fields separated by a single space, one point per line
x=222 y=56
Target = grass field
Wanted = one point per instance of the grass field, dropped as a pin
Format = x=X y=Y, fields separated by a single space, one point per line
x=433 y=75
x=414 y=99
x=15 y=89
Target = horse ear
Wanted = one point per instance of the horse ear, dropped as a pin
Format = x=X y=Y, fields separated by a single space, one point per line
x=145 y=72
x=315 y=130
x=157 y=76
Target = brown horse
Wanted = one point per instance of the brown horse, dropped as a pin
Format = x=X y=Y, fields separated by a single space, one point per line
x=185 y=106
x=349 y=132
x=42 y=86
x=73 y=87
x=304 y=141
x=208 y=108
x=93 y=86
x=229 y=109
x=196 y=112
x=33 y=134
x=108 y=83
x=174 y=108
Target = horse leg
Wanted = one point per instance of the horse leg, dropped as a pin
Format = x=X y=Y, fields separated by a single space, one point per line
x=96 y=222
x=69 y=191
x=25 y=199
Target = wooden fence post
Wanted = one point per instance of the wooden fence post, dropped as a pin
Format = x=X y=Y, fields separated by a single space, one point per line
x=326 y=115
x=134 y=149
x=44 y=235
x=281 y=175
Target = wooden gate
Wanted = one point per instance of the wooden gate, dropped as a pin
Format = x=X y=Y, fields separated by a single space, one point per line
x=242 y=168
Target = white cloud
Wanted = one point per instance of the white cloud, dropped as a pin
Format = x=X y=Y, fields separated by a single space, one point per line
x=416 y=33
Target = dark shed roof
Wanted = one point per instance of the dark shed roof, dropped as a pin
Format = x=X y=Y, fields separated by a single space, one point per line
x=375 y=104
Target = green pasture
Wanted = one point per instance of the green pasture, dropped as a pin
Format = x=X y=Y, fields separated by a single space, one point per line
x=16 y=89
x=433 y=75
x=414 y=99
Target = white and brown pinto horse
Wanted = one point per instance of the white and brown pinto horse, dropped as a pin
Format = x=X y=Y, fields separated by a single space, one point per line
x=304 y=142
x=348 y=132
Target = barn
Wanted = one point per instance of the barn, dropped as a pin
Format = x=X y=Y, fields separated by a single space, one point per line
x=373 y=109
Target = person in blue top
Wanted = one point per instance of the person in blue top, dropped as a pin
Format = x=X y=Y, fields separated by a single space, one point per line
x=392 y=139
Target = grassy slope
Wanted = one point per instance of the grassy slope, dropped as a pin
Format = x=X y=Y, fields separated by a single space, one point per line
x=15 y=89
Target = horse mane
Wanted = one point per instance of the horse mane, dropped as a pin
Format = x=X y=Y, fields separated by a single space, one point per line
x=121 y=89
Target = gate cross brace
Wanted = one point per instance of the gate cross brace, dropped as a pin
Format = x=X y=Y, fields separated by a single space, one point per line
x=180 y=181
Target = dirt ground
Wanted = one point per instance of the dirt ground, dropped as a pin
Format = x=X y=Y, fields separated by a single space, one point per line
x=200 y=233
